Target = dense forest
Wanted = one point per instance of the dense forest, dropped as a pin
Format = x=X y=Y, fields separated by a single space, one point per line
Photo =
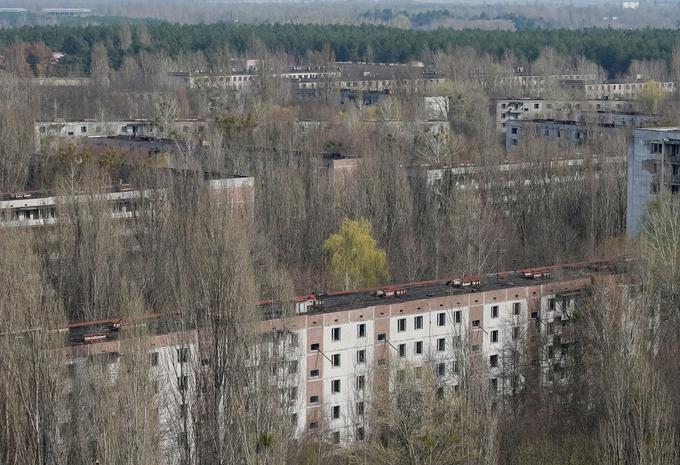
x=614 y=50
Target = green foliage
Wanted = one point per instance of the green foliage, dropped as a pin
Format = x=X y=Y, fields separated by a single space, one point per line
x=236 y=123
x=652 y=96
x=356 y=260
x=613 y=49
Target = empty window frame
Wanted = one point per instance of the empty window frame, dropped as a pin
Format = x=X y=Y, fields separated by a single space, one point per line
x=335 y=386
x=361 y=330
x=494 y=311
x=418 y=347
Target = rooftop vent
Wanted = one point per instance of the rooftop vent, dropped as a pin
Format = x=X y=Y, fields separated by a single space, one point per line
x=465 y=281
x=536 y=273
x=391 y=292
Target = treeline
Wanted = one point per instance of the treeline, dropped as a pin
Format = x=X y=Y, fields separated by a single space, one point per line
x=613 y=50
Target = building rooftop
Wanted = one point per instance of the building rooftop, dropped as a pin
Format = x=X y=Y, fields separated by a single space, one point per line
x=328 y=302
x=662 y=129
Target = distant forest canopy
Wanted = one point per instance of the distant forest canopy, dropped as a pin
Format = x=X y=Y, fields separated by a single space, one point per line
x=611 y=49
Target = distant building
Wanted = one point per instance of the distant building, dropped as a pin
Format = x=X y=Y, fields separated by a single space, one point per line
x=40 y=208
x=47 y=132
x=511 y=109
x=621 y=90
x=570 y=133
x=66 y=12
x=653 y=167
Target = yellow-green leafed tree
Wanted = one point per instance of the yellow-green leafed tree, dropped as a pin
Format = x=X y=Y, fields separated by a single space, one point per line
x=355 y=258
x=652 y=96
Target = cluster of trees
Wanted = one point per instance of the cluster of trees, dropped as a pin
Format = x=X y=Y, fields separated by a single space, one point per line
x=386 y=219
x=613 y=50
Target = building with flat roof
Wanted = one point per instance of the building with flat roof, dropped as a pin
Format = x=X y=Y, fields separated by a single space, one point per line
x=511 y=109
x=42 y=208
x=66 y=12
x=653 y=168
x=572 y=133
x=340 y=344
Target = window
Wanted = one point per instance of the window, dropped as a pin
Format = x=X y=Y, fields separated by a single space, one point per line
x=494 y=336
x=83 y=129
x=401 y=325
x=534 y=315
x=314 y=373
x=515 y=332
x=536 y=106
x=493 y=384
x=401 y=376
x=441 y=369
x=418 y=322
x=475 y=347
x=294 y=420
x=183 y=354
x=361 y=382
x=513 y=130
x=493 y=360
x=419 y=347
x=440 y=393
x=551 y=304
x=402 y=350
x=361 y=434
x=335 y=360
x=361 y=330
x=313 y=425
x=335 y=412
x=293 y=366
x=441 y=344
x=335 y=386
x=454 y=366
x=361 y=408
x=457 y=317
x=361 y=356
x=514 y=141
x=494 y=311
x=313 y=399
x=516 y=308
x=441 y=319
x=382 y=337
x=655 y=148
x=475 y=323
x=182 y=382
x=335 y=334
x=314 y=347
x=154 y=359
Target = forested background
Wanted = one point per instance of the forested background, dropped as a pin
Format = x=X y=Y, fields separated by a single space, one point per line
x=613 y=49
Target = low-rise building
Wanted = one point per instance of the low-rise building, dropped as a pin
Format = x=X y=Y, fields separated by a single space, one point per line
x=621 y=90
x=570 y=133
x=509 y=109
x=42 y=208
x=54 y=132
x=653 y=168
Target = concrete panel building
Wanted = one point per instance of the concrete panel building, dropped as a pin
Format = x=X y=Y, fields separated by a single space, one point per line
x=653 y=168
x=341 y=343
